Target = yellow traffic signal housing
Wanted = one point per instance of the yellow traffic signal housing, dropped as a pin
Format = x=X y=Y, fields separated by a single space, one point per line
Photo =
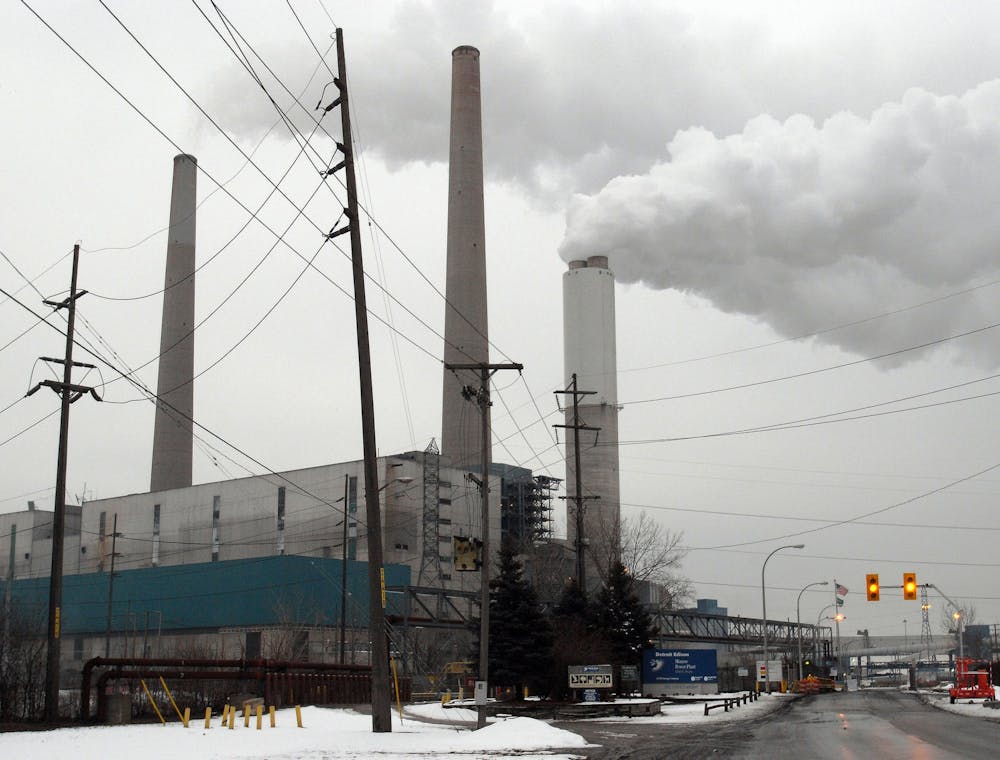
x=871 y=586
x=910 y=586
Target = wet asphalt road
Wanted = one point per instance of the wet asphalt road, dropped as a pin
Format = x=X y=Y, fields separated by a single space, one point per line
x=859 y=725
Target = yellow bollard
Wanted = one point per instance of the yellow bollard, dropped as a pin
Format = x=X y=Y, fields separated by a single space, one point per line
x=298 y=716
x=225 y=714
x=208 y=717
x=260 y=716
x=232 y=718
x=187 y=716
x=246 y=716
x=395 y=681
x=446 y=697
x=525 y=692
x=172 y=702
x=151 y=702
x=271 y=711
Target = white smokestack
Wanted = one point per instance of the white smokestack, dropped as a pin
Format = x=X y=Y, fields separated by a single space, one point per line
x=591 y=354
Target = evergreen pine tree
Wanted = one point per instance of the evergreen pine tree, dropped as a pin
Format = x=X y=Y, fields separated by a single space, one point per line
x=621 y=618
x=576 y=641
x=520 y=635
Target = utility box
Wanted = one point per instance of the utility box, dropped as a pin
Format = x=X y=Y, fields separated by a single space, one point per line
x=480 y=692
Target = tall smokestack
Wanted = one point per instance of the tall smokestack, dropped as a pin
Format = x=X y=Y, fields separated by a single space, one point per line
x=465 y=319
x=172 y=431
x=591 y=353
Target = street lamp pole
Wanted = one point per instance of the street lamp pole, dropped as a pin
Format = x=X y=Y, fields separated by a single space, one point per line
x=798 y=618
x=819 y=618
x=763 y=604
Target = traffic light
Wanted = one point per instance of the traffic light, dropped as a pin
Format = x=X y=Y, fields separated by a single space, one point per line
x=871 y=586
x=910 y=586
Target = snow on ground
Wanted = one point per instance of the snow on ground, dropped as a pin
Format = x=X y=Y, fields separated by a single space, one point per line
x=326 y=733
x=972 y=708
x=694 y=712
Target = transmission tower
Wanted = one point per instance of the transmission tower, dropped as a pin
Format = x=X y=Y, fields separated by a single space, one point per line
x=430 y=565
x=926 y=637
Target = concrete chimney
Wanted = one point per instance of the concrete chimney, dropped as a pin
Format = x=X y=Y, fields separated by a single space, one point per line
x=465 y=320
x=590 y=352
x=173 y=439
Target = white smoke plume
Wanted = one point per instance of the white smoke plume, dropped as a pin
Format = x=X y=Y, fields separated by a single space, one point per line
x=805 y=226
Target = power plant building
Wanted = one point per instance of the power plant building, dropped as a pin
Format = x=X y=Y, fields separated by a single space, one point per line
x=206 y=528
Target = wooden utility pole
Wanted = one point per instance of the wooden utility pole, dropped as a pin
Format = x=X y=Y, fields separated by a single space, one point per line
x=482 y=397
x=343 y=574
x=111 y=585
x=578 y=497
x=68 y=394
x=381 y=704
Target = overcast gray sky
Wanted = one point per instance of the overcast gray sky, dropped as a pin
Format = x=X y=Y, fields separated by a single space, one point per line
x=796 y=200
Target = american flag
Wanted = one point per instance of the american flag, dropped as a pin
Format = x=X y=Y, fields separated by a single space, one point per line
x=841 y=590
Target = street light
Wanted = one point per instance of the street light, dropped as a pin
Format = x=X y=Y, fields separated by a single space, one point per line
x=763 y=604
x=798 y=618
x=957 y=614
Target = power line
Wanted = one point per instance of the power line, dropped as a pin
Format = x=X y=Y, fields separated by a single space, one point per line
x=816 y=333
x=817 y=371
x=823 y=418
x=856 y=518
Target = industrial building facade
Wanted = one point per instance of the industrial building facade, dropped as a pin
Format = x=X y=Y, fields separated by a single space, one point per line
x=178 y=556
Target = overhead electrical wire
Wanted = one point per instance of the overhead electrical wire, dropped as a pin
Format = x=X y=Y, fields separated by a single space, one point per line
x=828 y=418
x=856 y=518
x=209 y=175
x=233 y=30
x=295 y=132
x=815 y=333
x=367 y=212
x=817 y=371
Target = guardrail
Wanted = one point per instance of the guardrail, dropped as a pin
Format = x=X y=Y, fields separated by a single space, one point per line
x=727 y=703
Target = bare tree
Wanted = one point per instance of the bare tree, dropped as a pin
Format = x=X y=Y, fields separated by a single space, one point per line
x=948 y=621
x=654 y=555
x=22 y=665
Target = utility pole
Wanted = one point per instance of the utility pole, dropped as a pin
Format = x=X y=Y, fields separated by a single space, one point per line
x=9 y=590
x=68 y=394
x=482 y=397
x=578 y=497
x=381 y=713
x=343 y=575
x=111 y=585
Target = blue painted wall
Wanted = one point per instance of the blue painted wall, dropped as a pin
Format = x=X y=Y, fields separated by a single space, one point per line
x=259 y=591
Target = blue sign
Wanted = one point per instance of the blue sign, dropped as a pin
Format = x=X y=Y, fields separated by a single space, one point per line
x=679 y=666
